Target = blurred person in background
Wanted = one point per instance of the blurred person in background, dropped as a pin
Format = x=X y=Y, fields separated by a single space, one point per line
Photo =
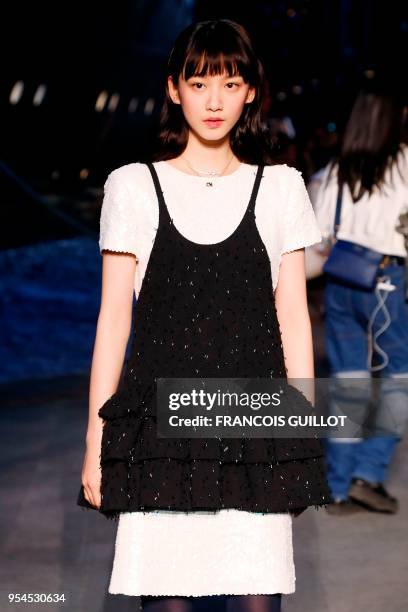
x=364 y=327
x=281 y=128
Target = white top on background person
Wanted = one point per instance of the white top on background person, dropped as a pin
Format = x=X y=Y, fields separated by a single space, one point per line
x=371 y=221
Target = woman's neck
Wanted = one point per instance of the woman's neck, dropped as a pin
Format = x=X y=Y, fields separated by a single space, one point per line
x=209 y=155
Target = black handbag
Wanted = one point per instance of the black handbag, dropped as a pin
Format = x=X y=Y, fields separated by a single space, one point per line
x=351 y=263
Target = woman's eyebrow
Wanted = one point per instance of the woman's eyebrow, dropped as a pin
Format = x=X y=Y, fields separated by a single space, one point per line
x=208 y=76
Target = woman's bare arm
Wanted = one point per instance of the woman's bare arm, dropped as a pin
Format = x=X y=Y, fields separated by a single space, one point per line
x=294 y=321
x=112 y=334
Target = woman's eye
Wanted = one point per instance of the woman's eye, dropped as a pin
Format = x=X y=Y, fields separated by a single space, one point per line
x=198 y=85
x=233 y=85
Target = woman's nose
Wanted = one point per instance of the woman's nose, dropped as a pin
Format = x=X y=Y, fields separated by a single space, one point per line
x=214 y=101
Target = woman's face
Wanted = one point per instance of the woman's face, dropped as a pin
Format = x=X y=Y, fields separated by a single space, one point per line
x=211 y=105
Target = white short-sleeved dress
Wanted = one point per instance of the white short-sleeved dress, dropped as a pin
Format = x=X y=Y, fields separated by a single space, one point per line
x=230 y=551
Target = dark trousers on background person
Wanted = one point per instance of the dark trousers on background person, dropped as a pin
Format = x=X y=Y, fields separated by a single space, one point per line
x=348 y=311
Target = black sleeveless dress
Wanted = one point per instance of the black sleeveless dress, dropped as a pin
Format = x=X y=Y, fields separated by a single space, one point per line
x=204 y=310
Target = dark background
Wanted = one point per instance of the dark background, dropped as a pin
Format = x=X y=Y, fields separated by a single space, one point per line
x=322 y=48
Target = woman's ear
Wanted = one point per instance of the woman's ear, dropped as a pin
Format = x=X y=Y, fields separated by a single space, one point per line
x=173 y=91
x=250 y=95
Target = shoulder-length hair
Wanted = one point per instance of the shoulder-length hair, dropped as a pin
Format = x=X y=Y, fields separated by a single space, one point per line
x=371 y=142
x=216 y=47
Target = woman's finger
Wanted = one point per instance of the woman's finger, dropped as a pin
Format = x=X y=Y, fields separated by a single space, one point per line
x=95 y=494
x=88 y=495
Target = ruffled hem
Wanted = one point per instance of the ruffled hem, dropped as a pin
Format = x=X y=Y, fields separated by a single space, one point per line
x=141 y=472
x=211 y=486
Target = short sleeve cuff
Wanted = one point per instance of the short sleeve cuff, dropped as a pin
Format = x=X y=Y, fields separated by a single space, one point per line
x=300 y=227
x=117 y=220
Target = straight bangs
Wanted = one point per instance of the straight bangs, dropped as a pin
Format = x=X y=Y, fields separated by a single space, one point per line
x=232 y=62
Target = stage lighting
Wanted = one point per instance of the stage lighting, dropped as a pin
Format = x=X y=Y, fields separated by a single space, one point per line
x=149 y=106
x=133 y=104
x=16 y=92
x=113 y=102
x=101 y=101
x=39 y=95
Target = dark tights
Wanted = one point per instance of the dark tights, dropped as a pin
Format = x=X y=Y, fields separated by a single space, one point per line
x=215 y=603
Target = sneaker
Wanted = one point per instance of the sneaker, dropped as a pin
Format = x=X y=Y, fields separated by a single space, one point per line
x=343 y=507
x=372 y=496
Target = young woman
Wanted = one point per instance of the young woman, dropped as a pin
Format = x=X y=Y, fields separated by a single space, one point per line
x=202 y=517
x=368 y=330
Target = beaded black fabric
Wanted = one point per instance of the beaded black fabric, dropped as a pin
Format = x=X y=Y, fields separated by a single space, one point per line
x=204 y=310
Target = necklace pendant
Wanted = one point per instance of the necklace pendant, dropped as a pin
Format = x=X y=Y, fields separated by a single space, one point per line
x=209 y=184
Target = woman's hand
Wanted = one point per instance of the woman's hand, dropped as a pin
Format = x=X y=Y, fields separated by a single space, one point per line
x=91 y=472
x=315 y=258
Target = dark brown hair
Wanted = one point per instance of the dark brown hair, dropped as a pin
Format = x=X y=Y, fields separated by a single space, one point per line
x=212 y=48
x=371 y=141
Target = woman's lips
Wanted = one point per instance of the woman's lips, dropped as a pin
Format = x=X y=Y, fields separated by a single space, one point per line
x=213 y=123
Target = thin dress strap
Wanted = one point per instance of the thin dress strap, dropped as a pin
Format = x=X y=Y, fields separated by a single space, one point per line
x=255 y=189
x=159 y=192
